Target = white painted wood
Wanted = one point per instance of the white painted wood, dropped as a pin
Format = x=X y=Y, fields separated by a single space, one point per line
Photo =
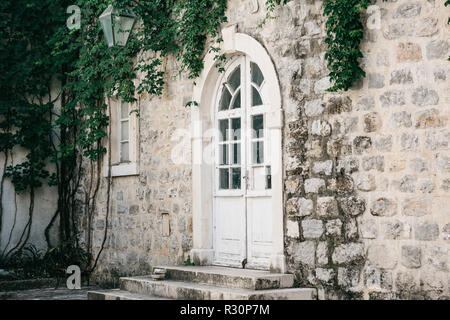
x=203 y=172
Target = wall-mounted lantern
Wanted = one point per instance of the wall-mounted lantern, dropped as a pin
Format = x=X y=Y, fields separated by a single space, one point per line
x=117 y=26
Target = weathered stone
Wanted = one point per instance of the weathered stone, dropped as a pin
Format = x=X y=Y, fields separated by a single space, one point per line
x=373 y=163
x=320 y=128
x=437 y=49
x=443 y=163
x=403 y=76
x=362 y=144
x=411 y=257
x=437 y=139
x=383 y=59
x=365 y=103
x=292 y=229
x=322 y=253
x=304 y=253
x=409 y=142
x=401 y=119
x=134 y=209
x=314 y=108
x=337 y=105
x=323 y=167
x=348 y=277
x=325 y=275
x=376 y=81
x=351 y=230
x=312 y=228
x=327 y=206
x=397 y=165
x=426 y=231
x=348 y=252
x=426 y=185
x=437 y=257
x=381 y=256
x=405 y=283
x=424 y=97
x=366 y=183
x=445 y=185
x=291 y=206
x=408 y=52
x=446 y=232
x=334 y=227
x=338 y=147
x=352 y=206
x=372 y=122
x=305 y=207
x=407 y=10
x=383 y=143
x=322 y=85
x=347 y=166
x=429 y=119
x=426 y=27
x=369 y=229
x=439 y=75
x=384 y=207
x=314 y=185
x=397 y=30
x=418 y=165
x=397 y=230
x=406 y=184
x=416 y=207
x=392 y=98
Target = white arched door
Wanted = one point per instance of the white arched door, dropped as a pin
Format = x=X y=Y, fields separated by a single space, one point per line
x=242 y=169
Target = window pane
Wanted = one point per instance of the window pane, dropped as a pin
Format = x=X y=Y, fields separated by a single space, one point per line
x=223 y=154
x=224 y=179
x=124 y=112
x=124 y=152
x=225 y=100
x=124 y=131
x=256 y=98
x=236 y=129
x=236 y=153
x=236 y=178
x=237 y=101
x=258 y=126
x=235 y=79
x=223 y=127
x=258 y=152
x=257 y=76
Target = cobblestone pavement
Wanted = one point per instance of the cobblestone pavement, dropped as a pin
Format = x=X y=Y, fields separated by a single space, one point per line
x=47 y=294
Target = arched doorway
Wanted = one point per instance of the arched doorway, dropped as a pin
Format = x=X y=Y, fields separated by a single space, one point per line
x=237 y=197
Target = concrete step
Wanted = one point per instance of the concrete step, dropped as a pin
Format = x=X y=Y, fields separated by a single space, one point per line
x=229 y=277
x=117 y=294
x=197 y=291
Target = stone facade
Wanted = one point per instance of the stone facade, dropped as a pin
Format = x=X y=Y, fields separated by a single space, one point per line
x=366 y=172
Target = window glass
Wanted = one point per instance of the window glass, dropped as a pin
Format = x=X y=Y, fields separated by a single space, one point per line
x=235 y=79
x=223 y=127
x=257 y=76
x=258 y=126
x=224 y=182
x=124 y=152
x=236 y=129
x=236 y=178
x=125 y=130
x=225 y=99
x=256 y=97
x=237 y=101
x=258 y=152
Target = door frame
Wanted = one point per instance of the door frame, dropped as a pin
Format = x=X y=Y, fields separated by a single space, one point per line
x=202 y=146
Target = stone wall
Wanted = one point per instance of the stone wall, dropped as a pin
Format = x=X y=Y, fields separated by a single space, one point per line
x=150 y=221
x=366 y=171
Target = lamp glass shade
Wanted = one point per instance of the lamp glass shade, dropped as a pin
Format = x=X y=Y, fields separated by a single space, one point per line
x=117 y=26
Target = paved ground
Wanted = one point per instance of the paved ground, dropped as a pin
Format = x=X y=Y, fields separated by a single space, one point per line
x=47 y=294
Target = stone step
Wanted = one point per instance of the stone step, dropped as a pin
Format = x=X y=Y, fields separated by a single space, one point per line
x=117 y=294
x=229 y=277
x=196 y=291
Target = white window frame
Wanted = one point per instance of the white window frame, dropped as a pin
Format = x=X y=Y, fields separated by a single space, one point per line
x=123 y=168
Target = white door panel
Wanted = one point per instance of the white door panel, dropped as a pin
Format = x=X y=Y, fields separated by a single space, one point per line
x=242 y=195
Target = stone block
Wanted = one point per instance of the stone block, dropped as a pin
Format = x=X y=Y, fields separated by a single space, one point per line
x=312 y=228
